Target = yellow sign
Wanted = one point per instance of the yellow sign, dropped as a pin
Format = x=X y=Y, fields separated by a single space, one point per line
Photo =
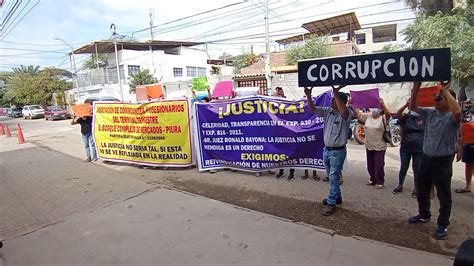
x=153 y=133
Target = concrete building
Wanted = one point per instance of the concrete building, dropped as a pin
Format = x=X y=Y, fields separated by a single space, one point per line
x=346 y=37
x=171 y=62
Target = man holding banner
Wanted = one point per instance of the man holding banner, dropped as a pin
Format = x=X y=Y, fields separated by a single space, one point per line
x=337 y=119
x=439 y=148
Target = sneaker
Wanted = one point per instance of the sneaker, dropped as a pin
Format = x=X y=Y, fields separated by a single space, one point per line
x=418 y=219
x=316 y=177
x=370 y=183
x=279 y=175
x=329 y=210
x=291 y=176
x=257 y=174
x=95 y=159
x=338 y=201
x=326 y=178
x=88 y=160
x=378 y=186
x=397 y=190
x=441 y=232
x=304 y=177
x=213 y=171
x=413 y=194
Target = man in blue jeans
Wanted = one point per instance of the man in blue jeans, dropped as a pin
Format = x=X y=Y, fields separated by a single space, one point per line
x=337 y=120
x=86 y=132
x=439 y=147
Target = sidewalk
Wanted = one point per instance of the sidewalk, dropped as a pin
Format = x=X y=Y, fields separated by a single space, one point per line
x=171 y=227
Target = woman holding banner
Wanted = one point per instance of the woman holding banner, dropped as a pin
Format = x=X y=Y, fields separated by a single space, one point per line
x=376 y=124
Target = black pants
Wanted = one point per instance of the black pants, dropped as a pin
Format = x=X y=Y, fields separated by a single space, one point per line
x=437 y=171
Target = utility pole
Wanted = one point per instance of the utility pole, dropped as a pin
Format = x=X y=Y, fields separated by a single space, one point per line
x=267 y=52
x=114 y=35
x=150 y=13
x=72 y=60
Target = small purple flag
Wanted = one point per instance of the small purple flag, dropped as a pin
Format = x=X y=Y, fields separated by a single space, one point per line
x=365 y=99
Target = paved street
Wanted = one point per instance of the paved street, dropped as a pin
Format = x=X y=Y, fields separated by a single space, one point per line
x=51 y=187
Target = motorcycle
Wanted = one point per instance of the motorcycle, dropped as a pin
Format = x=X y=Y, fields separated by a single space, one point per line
x=358 y=131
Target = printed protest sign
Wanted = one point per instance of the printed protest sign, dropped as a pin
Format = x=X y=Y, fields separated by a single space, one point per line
x=258 y=133
x=365 y=99
x=81 y=109
x=140 y=93
x=154 y=133
x=222 y=89
x=417 y=65
x=200 y=84
x=426 y=96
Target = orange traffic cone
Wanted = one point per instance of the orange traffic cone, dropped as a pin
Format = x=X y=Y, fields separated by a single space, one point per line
x=21 y=139
x=7 y=131
x=1 y=130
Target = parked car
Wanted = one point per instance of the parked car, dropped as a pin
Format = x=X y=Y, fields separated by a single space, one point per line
x=56 y=112
x=32 y=111
x=91 y=100
x=14 y=112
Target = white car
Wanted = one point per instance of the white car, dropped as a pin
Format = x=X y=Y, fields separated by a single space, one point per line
x=32 y=111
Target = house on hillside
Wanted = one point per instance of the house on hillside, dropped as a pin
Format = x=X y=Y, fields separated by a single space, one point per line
x=346 y=37
x=174 y=63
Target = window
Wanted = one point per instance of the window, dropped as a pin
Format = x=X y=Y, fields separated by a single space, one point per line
x=132 y=70
x=386 y=33
x=177 y=72
x=201 y=71
x=360 y=38
x=335 y=39
x=191 y=71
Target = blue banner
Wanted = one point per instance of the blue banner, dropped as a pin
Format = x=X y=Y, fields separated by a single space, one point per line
x=260 y=133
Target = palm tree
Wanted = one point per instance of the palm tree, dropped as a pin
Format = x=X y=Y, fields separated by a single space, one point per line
x=33 y=70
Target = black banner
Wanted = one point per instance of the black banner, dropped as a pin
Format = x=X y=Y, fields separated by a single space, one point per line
x=417 y=65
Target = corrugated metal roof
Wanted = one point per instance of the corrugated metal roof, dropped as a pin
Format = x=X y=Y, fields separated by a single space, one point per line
x=333 y=25
x=107 y=46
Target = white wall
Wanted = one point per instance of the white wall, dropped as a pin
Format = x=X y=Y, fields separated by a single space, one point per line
x=161 y=64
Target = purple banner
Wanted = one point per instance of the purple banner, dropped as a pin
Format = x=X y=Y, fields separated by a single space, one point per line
x=258 y=133
x=365 y=99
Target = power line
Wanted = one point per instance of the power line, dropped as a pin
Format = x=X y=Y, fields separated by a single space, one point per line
x=198 y=14
x=200 y=21
x=289 y=20
x=21 y=19
x=40 y=44
x=60 y=51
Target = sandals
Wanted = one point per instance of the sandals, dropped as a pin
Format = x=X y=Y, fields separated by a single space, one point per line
x=462 y=190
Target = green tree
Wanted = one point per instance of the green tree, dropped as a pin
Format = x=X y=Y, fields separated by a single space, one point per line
x=92 y=60
x=244 y=60
x=143 y=77
x=33 y=70
x=35 y=87
x=431 y=7
x=392 y=48
x=314 y=47
x=454 y=30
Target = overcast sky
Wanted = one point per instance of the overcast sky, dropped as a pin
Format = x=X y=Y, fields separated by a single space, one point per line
x=227 y=29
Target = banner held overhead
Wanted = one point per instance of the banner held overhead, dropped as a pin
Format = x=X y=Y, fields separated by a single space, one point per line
x=417 y=65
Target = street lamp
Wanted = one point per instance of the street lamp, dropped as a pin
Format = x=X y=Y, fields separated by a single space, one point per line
x=72 y=60
x=114 y=35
